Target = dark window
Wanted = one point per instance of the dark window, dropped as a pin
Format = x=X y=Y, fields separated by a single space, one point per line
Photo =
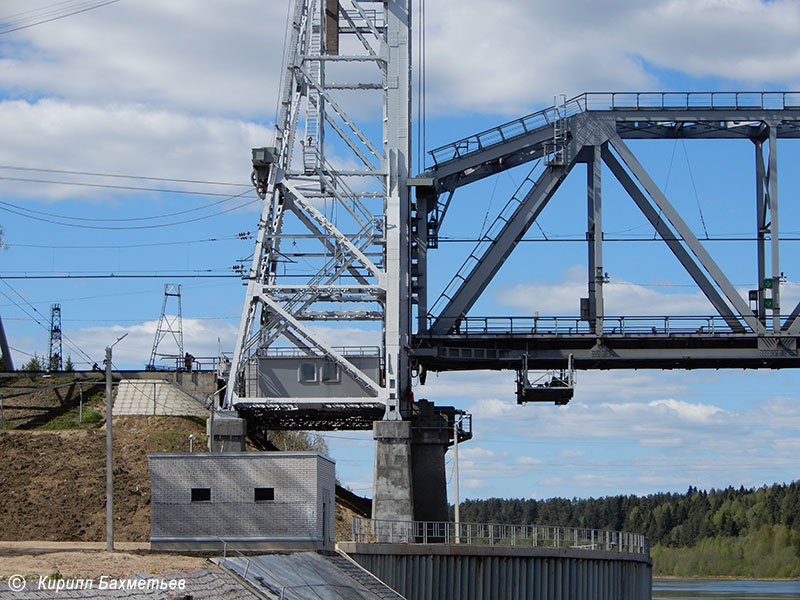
x=308 y=372
x=201 y=494
x=264 y=494
x=330 y=372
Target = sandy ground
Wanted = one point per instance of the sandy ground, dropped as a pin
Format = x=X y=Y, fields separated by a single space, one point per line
x=89 y=560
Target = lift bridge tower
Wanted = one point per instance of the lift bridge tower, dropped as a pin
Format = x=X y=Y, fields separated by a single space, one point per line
x=335 y=247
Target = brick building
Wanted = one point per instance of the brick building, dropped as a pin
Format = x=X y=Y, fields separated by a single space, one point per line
x=253 y=500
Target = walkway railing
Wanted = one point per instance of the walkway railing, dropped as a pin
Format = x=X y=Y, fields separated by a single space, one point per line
x=703 y=325
x=493 y=534
x=615 y=101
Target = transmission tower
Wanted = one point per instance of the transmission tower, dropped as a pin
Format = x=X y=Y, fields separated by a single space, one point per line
x=343 y=211
x=169 y=325
x=54 y=362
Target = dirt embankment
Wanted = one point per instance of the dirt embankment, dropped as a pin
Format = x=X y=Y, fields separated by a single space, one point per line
x=52 y=475
x=54 y=481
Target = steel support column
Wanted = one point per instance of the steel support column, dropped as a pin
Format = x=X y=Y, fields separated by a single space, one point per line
x=594 y=235
x=774 y=238
x=761 y=229
x=397 y=163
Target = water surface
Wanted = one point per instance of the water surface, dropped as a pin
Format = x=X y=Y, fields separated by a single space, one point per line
x=715 y=589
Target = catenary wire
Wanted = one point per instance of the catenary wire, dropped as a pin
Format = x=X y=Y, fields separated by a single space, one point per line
x=132 y=227
x=121 y=176
x=47 y=19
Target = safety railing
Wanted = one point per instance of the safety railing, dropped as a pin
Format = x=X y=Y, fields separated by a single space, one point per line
x=495 y=534
x=615 y=101
x=628 y=325
x=600 y=101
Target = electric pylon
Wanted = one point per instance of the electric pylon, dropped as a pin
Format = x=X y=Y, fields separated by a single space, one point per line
x=54 y=361
x=169 y=325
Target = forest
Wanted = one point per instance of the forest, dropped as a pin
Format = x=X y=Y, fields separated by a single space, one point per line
x=729 y=532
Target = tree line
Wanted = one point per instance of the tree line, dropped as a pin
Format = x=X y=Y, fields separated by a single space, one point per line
x=670 y=520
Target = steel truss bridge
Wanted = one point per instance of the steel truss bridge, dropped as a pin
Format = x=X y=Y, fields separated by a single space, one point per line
x=345 y=233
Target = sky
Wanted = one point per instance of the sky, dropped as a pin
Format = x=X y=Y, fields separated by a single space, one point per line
x=126 y=150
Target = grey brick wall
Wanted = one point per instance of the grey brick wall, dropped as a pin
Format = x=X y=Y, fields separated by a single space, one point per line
x=302 y=483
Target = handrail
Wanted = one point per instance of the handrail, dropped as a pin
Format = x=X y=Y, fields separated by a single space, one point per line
x=497 y=534
x=615 y=101
x=704 y=325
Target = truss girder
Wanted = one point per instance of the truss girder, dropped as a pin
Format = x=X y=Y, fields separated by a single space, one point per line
x=312 y=340
x=643 y=123
x=488 y=264
x=741 y=338
x=682 y=232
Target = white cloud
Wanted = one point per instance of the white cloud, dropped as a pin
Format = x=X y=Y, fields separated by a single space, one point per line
x=199 y=339
x=620 y=297
x=122 y=139
x=223 y=59
x=544 y=51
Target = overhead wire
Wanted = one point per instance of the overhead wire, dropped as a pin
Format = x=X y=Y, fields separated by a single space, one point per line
x=118 y=246
x=46 y=17
x=109 y=186
x=694 y=187
x=132 y=227
x=122 y=176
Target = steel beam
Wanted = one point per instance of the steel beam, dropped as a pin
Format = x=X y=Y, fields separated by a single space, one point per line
x=495 y=256
x=685 y=233
x=594 y=235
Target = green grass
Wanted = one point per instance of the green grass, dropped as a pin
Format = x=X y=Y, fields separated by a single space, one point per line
x=71 y=418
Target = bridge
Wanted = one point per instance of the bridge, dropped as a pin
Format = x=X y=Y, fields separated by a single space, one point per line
x=346 y=232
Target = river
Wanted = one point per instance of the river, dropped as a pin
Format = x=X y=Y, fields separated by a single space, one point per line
x=715 y=589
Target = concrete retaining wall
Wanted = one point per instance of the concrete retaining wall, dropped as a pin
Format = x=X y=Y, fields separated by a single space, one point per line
x=449 y=572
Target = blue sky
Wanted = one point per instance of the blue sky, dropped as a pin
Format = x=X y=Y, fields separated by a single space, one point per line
x=159 y=90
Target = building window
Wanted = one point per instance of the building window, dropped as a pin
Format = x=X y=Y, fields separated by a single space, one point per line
x=201 y=494
x=330 y=372
x=264 y=494
x=308 y=372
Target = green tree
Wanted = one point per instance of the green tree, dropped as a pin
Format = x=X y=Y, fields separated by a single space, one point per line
x=68 y=366
x=34 y=364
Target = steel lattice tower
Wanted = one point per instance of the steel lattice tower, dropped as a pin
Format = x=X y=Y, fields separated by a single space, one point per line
x=169 y=325
x=333 y=241
x=54 y=361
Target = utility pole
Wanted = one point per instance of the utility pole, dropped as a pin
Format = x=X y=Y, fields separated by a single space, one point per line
x=456 y=501
x=109 y=454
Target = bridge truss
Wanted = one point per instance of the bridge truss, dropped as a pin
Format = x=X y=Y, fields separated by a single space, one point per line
x=593 y=129
x=343 y=240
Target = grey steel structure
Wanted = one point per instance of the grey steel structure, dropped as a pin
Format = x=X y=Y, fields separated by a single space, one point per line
x=333 y=239
x=169 y=326
x=593 y=129
x=343 y=240
x=55 y=359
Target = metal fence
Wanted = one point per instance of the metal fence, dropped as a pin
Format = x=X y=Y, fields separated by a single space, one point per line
x=710 y=325
x=495 y=534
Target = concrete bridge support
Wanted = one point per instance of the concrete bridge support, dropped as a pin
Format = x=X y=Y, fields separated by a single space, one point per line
x=410 y=483
x=450 y=572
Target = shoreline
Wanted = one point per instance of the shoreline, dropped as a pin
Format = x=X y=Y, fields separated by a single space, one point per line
x=726 y=578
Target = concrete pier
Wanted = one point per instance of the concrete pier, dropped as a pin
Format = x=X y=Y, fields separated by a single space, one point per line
x=392 y=492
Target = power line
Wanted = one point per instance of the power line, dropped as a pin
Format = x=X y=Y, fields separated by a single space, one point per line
x=245 y=235
x=120 y=176
x=53 y=15
x=131 y=227
x=122 y=220
x=115 y=187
